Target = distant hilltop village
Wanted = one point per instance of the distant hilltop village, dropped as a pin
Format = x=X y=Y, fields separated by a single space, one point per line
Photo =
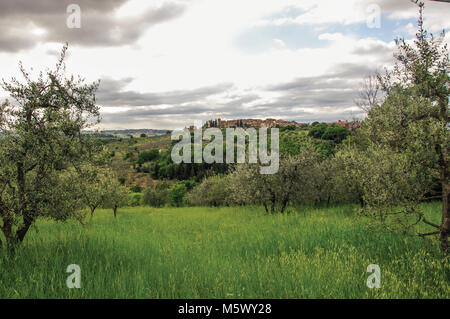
x=250 y=123
x=270 y=123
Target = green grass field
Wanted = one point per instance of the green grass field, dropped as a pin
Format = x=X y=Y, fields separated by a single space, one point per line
x=224 y=253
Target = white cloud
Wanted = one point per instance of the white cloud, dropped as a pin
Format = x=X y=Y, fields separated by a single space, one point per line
x=331 y=36
x=409 y=29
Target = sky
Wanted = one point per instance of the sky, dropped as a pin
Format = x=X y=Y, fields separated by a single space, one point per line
x=164 y=64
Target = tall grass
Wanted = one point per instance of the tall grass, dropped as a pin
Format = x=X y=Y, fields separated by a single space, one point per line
x=224 y=253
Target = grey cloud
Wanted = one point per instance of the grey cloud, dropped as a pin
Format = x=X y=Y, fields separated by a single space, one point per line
x=332 y=93
x=187 y=114
x=99 y=25
x=435 y=14
x=27 y=7
x=329 y=97
x=160 y=107
x=11 y=43
x=338 y=78
x=187 y=106
x=111 y=93
x=350 y=71
x=369 y=50
x=337 y=89
x=175 y=118
x=108 y=85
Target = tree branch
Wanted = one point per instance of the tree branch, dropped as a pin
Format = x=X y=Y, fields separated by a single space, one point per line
x=432 y=197
x=428 y=222
x=429 y=234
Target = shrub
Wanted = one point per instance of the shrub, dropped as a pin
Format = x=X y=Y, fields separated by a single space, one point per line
x=335 y=133
x=177 y=194
x=148 y=156
x=136 y=189
x=288 y=128
x=213 y=191
x=156 y=197
x=134 y=199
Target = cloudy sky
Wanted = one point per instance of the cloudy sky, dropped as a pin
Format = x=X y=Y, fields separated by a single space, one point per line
x=167 y=63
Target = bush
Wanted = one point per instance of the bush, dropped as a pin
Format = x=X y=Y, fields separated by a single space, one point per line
x=134 y=199
x=177 y=194
x=288 y=128
x=148 y=156
x=213 y=191
x=335 y=133
x=318 y=130
x=136 y=189
x=156 y=197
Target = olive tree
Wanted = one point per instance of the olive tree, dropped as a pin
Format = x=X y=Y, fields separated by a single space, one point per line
x=212 y=191
x=407 y=137
x=40 y=144
x=347 y=172
x=93 y=188
x=157 y=196
x=115 y=194
x=295 y=181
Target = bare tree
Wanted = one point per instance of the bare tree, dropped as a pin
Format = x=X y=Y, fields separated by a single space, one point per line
x=369 y=93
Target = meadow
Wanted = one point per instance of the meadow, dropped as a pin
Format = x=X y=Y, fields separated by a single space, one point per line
x=229 y=252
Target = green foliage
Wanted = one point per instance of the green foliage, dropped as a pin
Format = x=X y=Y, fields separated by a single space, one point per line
x=158 y=196
x=318 y=130
x=177 y=194
x=212 y=191
x=325 y=139
x=41 y=147
x=93 y=188
x=295 y=181
x=148 y=156
x=164 y=168
x=134 y=199
x=115 y=194
x=291 y=142
x=335 y=133
x=405 y=141
x=189 y=183
x=288 y=128
x=329 y=132
x=136 y=188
